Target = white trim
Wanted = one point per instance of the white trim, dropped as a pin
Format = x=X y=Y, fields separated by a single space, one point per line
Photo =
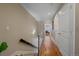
x=74 y=32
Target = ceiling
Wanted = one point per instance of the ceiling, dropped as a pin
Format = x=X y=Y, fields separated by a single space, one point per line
x=42 y=11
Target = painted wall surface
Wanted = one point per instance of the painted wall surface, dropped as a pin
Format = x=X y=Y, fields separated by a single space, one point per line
x=77 y=29
x=64 y=29
x=16 y=23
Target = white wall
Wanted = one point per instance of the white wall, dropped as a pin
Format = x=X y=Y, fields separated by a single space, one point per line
x=64 y=29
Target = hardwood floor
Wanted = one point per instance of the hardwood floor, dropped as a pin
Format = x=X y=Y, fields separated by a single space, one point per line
x=49 y=48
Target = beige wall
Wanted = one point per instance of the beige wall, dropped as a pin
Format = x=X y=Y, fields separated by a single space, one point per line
x=15 y=23
x=77 y=30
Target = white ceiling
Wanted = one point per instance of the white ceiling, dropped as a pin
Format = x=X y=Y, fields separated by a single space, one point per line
x=42 y=11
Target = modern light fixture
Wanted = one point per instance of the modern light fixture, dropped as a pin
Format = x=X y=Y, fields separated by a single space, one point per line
x=49 y=13
x=34 y=31
x=60 y=13
x=7 y=28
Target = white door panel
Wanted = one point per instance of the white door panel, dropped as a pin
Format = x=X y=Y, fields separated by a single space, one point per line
x=64 y=29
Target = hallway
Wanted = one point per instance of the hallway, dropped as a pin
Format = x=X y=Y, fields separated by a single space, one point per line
x=30 y=21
